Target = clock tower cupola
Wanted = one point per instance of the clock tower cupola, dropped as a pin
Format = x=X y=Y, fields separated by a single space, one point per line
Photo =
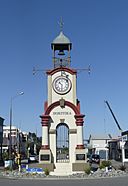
x=61 y=47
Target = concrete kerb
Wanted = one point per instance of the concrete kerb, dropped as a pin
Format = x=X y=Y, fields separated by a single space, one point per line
x=70 y=177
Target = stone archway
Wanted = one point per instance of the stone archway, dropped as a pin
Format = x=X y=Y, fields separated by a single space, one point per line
x=62 y=143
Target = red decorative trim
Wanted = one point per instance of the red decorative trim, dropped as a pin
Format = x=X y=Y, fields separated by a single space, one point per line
x=80 y=147
x=78 y=105
x=45 y=105
x=44 y=124
x=44 y=147
x=71 y=71
x=79 y=124
x=45 y=120
x=79 y=119
x=67 y=103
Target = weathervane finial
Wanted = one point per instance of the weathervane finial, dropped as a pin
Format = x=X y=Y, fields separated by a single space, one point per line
x=61 y=24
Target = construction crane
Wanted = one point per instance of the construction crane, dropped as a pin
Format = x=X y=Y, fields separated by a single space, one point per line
x=118 y=125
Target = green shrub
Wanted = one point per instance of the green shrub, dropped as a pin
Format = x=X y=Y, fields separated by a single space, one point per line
x=5 y=156
x=101 y=166
x=105 y=164
x=8 y=168
x=122 y=167
x=87 y=170
x=46 y=171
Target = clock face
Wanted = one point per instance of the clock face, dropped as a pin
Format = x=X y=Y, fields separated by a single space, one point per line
x=61 y=85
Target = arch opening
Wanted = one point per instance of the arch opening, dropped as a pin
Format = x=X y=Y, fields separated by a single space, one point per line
x=62 y=143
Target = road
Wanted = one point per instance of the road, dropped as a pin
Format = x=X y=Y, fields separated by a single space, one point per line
x=122 y=181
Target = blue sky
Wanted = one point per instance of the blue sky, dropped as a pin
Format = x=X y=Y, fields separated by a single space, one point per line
x=98 y=30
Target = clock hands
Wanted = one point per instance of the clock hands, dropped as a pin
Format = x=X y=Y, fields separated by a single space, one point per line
x=61 y=85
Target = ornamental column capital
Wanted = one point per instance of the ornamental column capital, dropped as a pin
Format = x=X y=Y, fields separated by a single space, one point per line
x=45 y=120
x=79 y=119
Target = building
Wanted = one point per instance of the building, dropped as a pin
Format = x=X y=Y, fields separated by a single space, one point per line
x=1 y=139
x=18 y=140
x=62 y=150
x=125 y=147
x=1 y=130
x=115 y=149
x=6 y=137
x=99 y=145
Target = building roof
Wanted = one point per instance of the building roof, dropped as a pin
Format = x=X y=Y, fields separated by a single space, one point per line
x=61 y=39
x=125 y=133
x=8 y=127
x=99 y=137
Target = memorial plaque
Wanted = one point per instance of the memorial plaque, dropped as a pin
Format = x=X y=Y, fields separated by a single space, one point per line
x=80 y=156
x=44 y=157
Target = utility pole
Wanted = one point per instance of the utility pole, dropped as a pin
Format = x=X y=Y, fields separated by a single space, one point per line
x=1 y=140
x=10 y=130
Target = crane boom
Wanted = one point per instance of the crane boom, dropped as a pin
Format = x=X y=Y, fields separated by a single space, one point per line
x=113 y=116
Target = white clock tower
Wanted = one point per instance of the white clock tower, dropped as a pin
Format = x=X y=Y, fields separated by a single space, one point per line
x=62 y=150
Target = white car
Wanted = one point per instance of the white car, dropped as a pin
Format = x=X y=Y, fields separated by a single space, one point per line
x=33 y=158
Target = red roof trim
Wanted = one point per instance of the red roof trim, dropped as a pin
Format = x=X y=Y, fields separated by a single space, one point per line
x=71 y=71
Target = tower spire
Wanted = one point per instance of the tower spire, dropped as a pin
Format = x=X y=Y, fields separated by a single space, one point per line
x=61 y=24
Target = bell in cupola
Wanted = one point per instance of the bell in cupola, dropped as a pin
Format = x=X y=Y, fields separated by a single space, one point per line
x=61 y=53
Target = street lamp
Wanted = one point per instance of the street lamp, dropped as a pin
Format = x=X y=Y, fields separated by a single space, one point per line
x=10 y=132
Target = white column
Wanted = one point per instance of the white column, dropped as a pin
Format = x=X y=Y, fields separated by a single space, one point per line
x=44 y=135
x=79 y=123
x=79 y=135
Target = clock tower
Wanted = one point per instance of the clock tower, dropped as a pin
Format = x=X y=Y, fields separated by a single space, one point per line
x=62 y=150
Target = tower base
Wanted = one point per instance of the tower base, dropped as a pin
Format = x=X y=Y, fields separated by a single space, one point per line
x=45 y=156
x=80 y=155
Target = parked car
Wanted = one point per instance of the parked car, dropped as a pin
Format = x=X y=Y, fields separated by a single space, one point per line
x=94 y=158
